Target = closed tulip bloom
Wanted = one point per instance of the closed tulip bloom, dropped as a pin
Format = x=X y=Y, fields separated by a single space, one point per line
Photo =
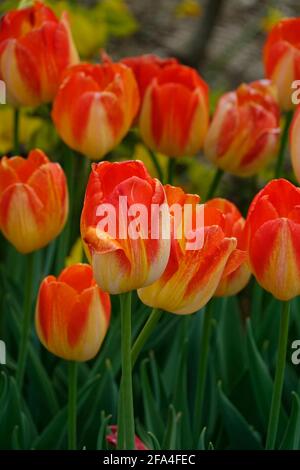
x=244 y=133
x=236 y=273
x=273 y=238
x=35 y=49
x=72 y=314
x=33 y=200
x=128 y=247
x=95 y=107
x=175 y=112
x=295 y=143
x=146 y=68
x=282 y=58
x=112 y=439
x=192 y=275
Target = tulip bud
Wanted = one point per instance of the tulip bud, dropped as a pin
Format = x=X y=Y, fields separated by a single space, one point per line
x=175 y=113
x=112 y=439
x=192 y=275
x=72 y=314
x=272 y=234
x=146 y=68
x=244 y=133
x=125 y=226
x=33 y=200
x=35 y=48
x=236 y=274
x=282 y=59
x=95 y=107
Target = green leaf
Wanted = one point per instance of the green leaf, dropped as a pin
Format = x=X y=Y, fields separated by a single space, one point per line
x=153 y=418
x=291 y=438
x=201 y=442
x=169 y=441
x=240 y=433
x=101 y=439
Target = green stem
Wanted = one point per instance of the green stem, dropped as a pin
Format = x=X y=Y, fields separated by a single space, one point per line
x=171 y=170
x=26 y=322
x=279 y=377
x=283 y=144
x=72 y=405
x=202 y=371
x=156 y=163
x=214 y=184
x=16 y=144
x=126 y=415
x=145 y=334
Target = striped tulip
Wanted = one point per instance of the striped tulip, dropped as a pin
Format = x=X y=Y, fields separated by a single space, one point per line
x=273 y=234
x=95 y=107
x=146 y=68
x=175 y=113
x=236 y=274
x=72 y=314
x=244 y=133
x=282 y=58
x=33 y=200
x=192 y=275
x=123 y=256
x=35 y=49
x=295 y=143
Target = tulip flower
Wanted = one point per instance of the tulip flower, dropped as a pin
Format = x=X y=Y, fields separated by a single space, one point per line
x=244 y=133
x=124 y=256
x=95 y=107
x=273 y=234
x=72 y=314
x=282 y=58
x=35 y=49
x=236 y=274
x=33 y=200
x=174 y=114
x=295 y=143
x=146 y=68
x=192 y=275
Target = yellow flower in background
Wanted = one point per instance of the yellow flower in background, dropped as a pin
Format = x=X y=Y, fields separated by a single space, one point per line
x=188 y=8
x=28 y=127
x=271 y=18
x=141 y=153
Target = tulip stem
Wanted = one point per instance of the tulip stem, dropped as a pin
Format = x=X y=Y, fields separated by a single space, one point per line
x=171 y=170
x=126 y=413
x=279 y=377
x=16 y=145
x=283 y=144
x=26 y=321
x=202 y=371
x=156 y=163
x=72 y=405
x=214 y=184
x=145 y=334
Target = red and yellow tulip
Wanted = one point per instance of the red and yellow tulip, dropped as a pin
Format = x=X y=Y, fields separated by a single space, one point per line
x=33 y=200
x=174 y=114
x=95 y=107
x=72 y=314
x=35 y=49
x=282 y=58
x=273 y=238
x=192 y=275
x=123 y=256
x=244 y=133
x=236 y=273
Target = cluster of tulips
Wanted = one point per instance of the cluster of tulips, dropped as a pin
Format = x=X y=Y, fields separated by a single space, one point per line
x=94 y=107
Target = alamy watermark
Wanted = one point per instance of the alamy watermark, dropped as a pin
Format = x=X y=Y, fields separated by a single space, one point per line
x=2 y=92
